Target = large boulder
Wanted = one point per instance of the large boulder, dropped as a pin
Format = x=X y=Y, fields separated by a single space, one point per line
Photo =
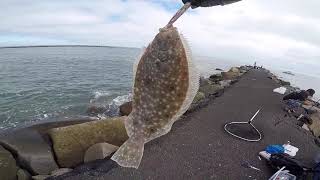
x=71 y=142
x=216 y=78
x=8 y=167
x=94 y=109
x=32 y=152
x=198 y=98
x=125 y=109
x=210 y=89
x=315 y=126
x=234 y=70
x=230 y=75
x=99 y=151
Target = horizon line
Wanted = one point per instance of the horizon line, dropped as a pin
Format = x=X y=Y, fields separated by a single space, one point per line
x=36 y=46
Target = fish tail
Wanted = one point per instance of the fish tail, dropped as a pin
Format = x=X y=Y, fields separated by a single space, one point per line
x=130 y=153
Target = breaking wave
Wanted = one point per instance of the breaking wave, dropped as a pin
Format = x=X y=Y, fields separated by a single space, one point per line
x=98 y=95
x=109 y=108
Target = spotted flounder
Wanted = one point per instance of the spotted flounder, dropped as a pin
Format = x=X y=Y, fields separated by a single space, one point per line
x=165 y=83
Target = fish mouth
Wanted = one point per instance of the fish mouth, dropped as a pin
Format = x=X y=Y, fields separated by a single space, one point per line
x=170 y=28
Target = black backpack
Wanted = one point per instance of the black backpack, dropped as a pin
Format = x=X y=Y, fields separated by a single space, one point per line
x=291 y=164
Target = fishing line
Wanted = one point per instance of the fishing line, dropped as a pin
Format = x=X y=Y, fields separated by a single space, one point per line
x=178 y=14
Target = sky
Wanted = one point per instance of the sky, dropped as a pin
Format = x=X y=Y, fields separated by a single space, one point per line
x=283 y=34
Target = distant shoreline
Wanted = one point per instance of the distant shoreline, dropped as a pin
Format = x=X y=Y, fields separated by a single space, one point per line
x=39 y=46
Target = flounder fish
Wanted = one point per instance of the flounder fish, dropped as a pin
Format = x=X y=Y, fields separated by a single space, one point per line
x=165 y=83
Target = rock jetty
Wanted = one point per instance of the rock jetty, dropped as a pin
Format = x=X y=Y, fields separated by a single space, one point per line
x=49 y=150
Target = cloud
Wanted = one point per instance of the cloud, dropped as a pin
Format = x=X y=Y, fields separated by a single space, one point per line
x=272 y=32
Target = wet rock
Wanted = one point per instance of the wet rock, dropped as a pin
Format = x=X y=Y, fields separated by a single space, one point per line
x=126 y=108
x=216 y=78
x=40 y=177
x=8 y=167
x=218 y=69
x=210 y=89
x=94 y=110
x=32 y=152
x=23 y=175
x=99 y=151
x=59 y=172
x=70 y=143
x=229 y=75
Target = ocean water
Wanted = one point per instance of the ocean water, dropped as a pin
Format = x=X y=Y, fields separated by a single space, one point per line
x=51 y=83
x=44 y=83
x=301 y=80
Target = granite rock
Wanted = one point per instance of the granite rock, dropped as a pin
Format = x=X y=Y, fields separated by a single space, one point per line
x=210 y=89
x=125 y=108
x=229 y=75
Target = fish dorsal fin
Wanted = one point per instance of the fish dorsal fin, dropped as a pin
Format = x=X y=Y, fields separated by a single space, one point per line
x=136 y=63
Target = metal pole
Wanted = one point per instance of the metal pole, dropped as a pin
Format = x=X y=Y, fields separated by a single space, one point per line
x=254 y=116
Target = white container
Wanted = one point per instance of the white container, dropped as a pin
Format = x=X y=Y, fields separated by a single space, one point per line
x=290 y=150
x=265 y=155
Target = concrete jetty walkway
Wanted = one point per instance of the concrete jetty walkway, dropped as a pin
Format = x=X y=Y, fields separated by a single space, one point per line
x=199 y=148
